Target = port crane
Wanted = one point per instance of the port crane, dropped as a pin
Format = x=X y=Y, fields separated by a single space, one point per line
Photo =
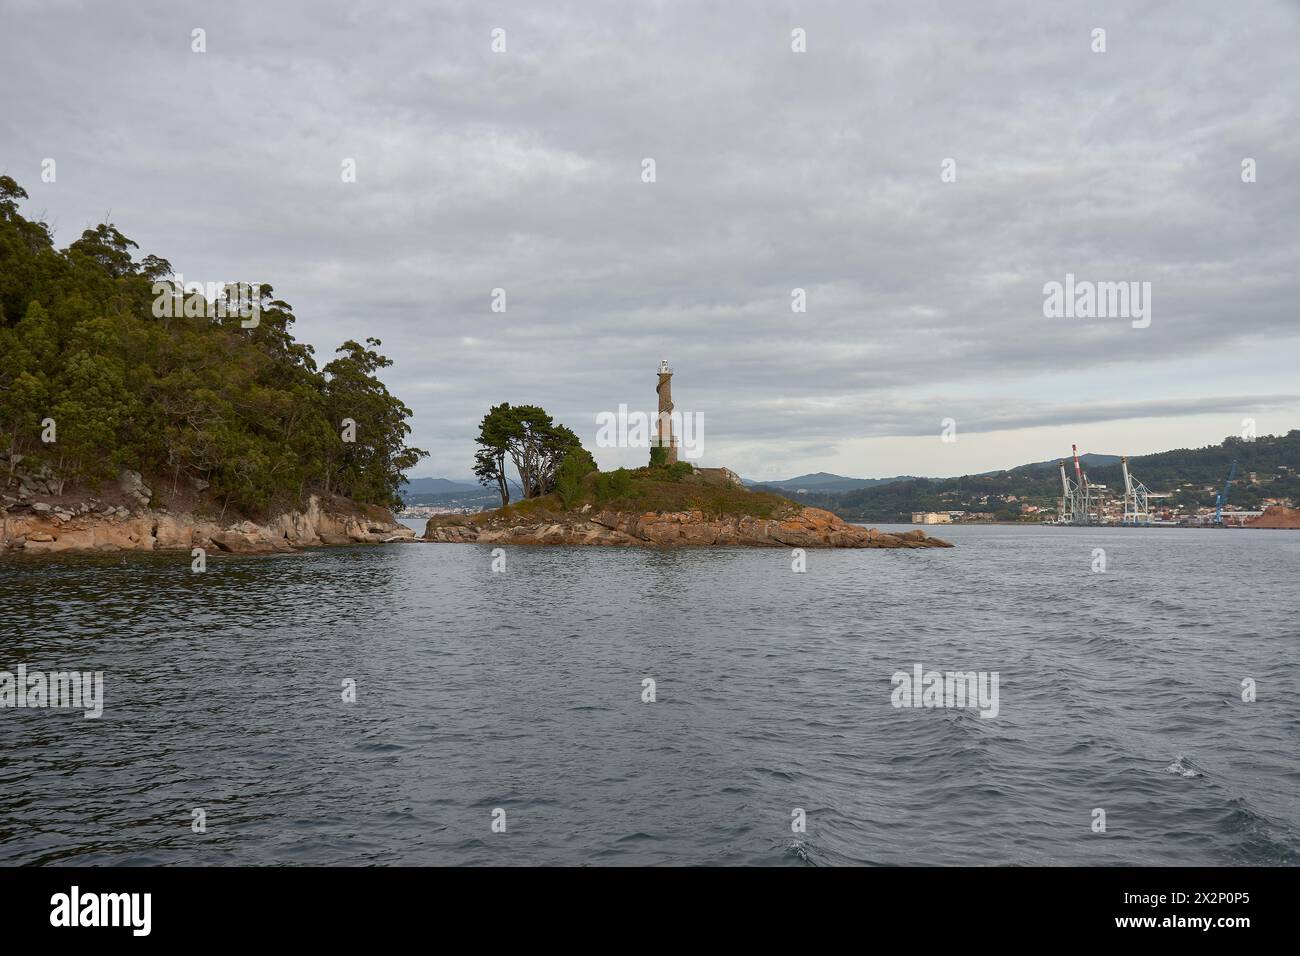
x=1079 y=504
x=1065 y=510
x=1222 y=499
x=1082 y=502
x=1137 y=507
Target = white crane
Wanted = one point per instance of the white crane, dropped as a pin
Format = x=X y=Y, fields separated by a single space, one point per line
x=1137 y=508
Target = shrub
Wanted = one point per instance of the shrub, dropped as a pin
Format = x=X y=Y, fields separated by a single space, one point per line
x=568 y=479
x=614 y=485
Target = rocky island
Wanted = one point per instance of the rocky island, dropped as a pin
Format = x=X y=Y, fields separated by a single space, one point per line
x=667 y=507
x=568 y=500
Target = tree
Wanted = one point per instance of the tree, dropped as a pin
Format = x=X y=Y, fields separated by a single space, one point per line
x=107 y=248
x=490 y=459
x=10 y=193
x=537 y=446
x=371 y=467
x=577 y=464
x=26 y=352
x=534 y=443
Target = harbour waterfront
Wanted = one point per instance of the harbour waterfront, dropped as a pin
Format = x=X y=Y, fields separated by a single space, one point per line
x=522 y=690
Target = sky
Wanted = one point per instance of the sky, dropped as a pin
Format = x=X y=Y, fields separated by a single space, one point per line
x=921 y=170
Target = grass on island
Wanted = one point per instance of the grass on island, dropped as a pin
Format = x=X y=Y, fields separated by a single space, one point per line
x=655 y=488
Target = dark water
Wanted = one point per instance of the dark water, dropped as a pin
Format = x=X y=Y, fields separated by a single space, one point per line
x=522 y=691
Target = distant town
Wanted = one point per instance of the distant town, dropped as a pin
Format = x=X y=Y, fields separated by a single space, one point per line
x=428 y=511
x=1110 y=510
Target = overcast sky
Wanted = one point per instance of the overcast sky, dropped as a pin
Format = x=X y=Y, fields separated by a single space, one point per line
x=775 y=170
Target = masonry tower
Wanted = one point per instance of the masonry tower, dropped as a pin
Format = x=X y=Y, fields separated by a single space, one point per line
x=665 y=439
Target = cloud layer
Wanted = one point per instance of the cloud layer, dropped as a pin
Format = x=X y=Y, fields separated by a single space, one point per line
x=775 y=170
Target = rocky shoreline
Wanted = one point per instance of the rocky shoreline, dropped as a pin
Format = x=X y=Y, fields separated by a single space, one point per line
x=41 y=520
x=85 y=528
x=805 y=528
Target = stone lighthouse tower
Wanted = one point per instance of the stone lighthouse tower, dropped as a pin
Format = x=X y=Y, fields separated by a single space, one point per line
x=665 y=439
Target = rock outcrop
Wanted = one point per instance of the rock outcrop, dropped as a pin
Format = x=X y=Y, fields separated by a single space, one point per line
x=40 y=527
x=803 y=528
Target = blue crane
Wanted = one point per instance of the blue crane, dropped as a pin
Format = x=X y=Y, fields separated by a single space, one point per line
x=1223 y=495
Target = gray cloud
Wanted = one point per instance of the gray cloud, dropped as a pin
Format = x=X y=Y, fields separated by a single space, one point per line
x=775 y=170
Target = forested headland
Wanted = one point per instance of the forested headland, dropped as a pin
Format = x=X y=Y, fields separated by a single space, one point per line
x=93 y=380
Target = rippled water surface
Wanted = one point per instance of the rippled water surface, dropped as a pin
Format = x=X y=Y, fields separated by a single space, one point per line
x=522 y=691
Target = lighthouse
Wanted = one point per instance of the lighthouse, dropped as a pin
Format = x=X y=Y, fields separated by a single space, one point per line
x=664 y=439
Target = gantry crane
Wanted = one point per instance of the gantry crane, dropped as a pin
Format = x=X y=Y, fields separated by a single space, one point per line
x=1222 y=499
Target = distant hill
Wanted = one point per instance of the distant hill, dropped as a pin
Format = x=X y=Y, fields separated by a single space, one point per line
x=436 y=486
x=822 y=482
x=1087 y=461
x=448 y=493
x=1191 y=476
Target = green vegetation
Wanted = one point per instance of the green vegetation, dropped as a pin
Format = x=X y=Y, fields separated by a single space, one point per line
x=568 y=479
x=680 y=488
x=1192 y=476
x=669 y=489
x=557 y=474
x=184 y=400
x=534 y=443
x=611 y=486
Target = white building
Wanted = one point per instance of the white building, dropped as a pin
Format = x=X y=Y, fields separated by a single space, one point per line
x=931 y=517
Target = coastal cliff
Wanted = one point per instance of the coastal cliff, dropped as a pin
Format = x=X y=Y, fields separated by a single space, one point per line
x=798 y=528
